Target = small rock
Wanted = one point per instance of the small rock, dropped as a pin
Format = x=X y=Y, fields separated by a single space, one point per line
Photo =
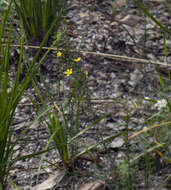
x=117 y=143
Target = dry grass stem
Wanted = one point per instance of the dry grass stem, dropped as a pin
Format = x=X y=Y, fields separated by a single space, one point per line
x=106 y=55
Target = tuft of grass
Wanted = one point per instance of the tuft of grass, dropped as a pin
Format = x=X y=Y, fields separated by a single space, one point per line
x=63 y=121
x=11 y=92
x=37 y=16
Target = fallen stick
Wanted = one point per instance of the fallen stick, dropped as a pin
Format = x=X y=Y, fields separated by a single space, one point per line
x=106 y=55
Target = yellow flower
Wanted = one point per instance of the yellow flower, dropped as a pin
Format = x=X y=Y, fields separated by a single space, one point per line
x=86 y=74
x=59 y=54
x=78 y=59
x=68 y=72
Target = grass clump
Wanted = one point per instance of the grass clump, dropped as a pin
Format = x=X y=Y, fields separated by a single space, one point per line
x=11 y=92
x=37 y=16
x=63 y=122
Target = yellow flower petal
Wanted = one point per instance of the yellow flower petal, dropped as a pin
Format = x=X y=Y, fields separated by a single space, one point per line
x=68 y=72
x=59 y=54
x=78 y=59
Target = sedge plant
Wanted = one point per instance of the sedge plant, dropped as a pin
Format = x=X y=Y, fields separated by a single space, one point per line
x=63 y=122
x=11 y=92
x=37 y=16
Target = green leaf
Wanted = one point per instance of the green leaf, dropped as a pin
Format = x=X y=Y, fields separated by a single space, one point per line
x=147 y=13
x=161 y=82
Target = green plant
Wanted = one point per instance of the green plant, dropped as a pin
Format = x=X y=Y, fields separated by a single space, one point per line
x=37 y=16
x=63 y=121
x=11 y=92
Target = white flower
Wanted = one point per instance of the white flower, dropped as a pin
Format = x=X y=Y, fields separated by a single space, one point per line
x=161 y=104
